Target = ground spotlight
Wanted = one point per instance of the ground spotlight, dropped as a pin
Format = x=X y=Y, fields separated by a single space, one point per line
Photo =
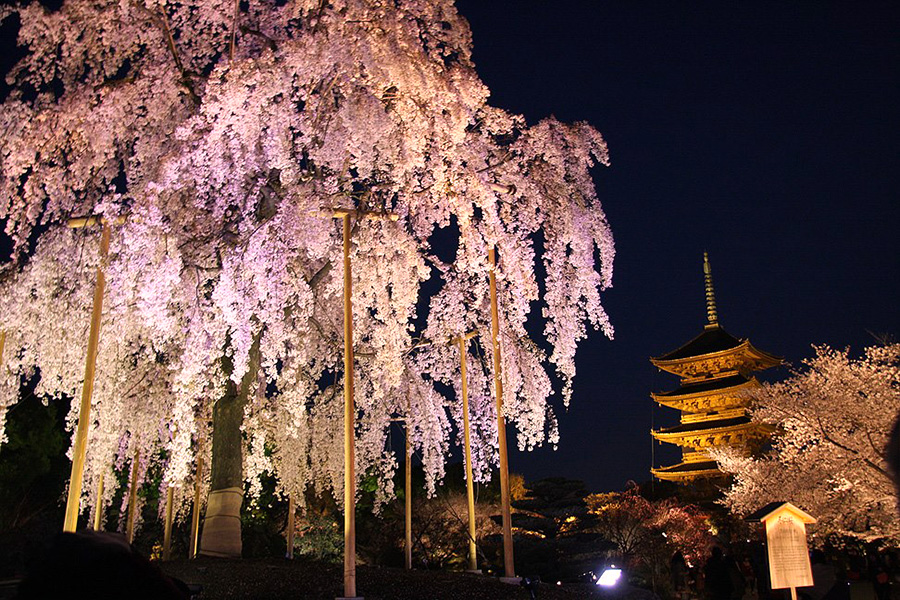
x=609 y=577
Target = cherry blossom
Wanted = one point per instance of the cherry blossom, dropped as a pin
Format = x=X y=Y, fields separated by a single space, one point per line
x=211 y=140
x=834 y=417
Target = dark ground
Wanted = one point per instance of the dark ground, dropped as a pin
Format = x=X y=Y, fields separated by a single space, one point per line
x=276 y=579
x=254 y=578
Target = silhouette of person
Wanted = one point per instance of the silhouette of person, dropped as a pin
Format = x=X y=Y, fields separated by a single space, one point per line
x=716 y=577
x=97 y=566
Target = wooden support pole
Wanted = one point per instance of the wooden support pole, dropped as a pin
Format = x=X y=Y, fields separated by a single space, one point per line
x=349 y=420
x=167 y=531
x=195 y=517
x=98 y=506
x=132 y=498
x=508 y=563
x=81 y=430
x=90 y=221
x=470 y=490
x=290 y=528
x=349 y=403
x=407 y=543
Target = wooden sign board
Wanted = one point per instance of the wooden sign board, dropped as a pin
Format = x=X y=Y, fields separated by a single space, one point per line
x=789 y=565
x=788 y=554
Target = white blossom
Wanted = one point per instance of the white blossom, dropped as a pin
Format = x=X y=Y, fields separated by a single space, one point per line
x=828 y=457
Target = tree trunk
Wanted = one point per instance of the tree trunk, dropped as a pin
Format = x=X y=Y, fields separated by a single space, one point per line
x=222 y=523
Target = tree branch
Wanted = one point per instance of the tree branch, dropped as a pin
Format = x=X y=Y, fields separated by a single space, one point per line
x=852 y=451
x=162 y=21
x=237 y=7
x=506 y=158
x=319 y=275
x=270 y=42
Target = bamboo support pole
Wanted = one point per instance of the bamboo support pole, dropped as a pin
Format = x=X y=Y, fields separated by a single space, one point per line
x=195 y=517
x=470 y=491
x=349 y=403
x=167 y=531
x=349 y=418
x=90 y=221
x=132 y=498
x=81 y=430
x=290 y=528
x=407 y=543
x=98 y=506
x=508 y=562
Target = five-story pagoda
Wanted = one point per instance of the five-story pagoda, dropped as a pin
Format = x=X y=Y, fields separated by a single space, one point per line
x=715 y=369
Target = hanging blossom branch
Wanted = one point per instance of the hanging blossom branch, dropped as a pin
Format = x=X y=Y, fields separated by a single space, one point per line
x=226 y=248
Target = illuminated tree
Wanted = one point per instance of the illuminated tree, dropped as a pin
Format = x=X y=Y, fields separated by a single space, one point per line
x=834 y=417
x=216 y=132
x=648 y=533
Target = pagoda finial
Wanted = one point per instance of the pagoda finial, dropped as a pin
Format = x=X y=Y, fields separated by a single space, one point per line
x=711 y=314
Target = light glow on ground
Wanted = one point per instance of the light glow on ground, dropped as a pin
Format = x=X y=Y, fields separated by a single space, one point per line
x=609 y=577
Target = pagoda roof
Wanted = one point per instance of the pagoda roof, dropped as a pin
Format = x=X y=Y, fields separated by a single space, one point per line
x=688 y=470
x=717 y=384
x=713 y=339
x=773 y=509
x=705 y=425
x=714 y=351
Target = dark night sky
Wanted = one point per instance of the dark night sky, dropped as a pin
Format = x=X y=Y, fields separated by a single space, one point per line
x=765 y=133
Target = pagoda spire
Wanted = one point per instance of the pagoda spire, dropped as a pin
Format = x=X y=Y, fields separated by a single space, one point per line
x=711 y=313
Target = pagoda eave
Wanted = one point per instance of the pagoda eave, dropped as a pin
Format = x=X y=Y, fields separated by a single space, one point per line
x=729 y=396
x=683 y=472
x=716 y=386
x=702 y=403
x=743 y=357
x=713 y=436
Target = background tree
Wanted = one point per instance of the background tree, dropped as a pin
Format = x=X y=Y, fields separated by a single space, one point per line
x=32 y=464
x=834 y=415
x=556 y=538
x=220 y=130
x=440 y=530
x=623 y=519
x=647 y=534
x=439 y=524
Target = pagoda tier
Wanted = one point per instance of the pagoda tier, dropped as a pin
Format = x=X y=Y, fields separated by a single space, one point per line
x=733 y=428
x=716 y=373
x=714 y=352
x=695 y=465
x=703 y=395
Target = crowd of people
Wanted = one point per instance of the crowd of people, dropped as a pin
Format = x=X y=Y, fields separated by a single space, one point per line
x=744 y=575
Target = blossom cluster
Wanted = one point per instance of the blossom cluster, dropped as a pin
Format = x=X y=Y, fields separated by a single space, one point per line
x=829 y=457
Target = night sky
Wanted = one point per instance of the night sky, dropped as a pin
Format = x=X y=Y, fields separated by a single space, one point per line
x=764 y=133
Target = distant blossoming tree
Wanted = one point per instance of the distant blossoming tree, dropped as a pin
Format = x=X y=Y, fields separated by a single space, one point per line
x=834 y=417
x=215 y=132
x=650 y=532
